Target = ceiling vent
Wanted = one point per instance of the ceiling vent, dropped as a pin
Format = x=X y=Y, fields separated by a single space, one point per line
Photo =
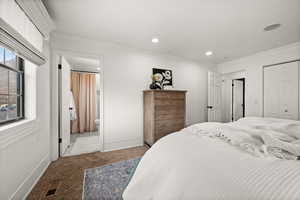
x=272 y=27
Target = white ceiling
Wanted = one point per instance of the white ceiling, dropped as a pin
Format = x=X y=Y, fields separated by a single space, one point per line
x=187 y=28
x=84 y=64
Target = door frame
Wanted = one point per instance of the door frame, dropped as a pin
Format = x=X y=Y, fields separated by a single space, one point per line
x=54 y=129
x=263 y=82
x=232 y=96
x=228 y=78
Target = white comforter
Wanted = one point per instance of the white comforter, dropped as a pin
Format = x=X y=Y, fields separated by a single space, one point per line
x=207 y=161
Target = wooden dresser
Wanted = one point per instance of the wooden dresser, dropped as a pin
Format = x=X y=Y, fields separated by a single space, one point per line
x=164 y=113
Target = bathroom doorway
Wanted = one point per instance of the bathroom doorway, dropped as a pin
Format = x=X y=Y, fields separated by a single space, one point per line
x=79 y=105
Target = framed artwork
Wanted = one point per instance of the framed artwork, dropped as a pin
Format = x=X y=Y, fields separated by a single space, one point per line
x=162 y=77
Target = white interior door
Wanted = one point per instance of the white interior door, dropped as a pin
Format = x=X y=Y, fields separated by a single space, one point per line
x=214 y=97
x=64 y=94
x=238 y=99
x=281 y=91
x=226 y=96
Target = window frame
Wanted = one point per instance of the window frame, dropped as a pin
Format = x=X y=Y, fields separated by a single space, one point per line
x=20 y=64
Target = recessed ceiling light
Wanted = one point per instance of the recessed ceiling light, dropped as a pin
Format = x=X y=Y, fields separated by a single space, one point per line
x=155 y=40
x=98 y=68
x=272 y=27
x=208 y=53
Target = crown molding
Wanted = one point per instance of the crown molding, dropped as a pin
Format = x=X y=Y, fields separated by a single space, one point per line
x=38 y=14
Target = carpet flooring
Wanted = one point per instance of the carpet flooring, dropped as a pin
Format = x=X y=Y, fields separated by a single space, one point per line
x=109 y=181
x=63 y=180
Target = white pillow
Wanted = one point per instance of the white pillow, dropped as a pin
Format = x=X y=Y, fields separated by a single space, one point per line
x=296 y=142
x=270 y=140
x=263 y=120
x=277 y=133
x=237 y=135
x=286 y=126
x=202 y=128
x=292 y=129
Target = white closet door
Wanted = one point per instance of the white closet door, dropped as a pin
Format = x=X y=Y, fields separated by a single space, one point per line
x=281 y=91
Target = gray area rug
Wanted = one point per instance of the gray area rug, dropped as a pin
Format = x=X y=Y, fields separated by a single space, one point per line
x=108 y=182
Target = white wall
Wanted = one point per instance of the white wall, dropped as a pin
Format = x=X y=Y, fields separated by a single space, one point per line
x=23 y=157
x=12 y=14
x=253 y=66
x=126 y=74
x=25 y=145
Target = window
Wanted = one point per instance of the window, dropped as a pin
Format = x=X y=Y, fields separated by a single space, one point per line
x=11 y=86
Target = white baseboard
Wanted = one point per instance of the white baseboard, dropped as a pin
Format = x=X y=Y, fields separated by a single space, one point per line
x=124 y=144
x=25 y=188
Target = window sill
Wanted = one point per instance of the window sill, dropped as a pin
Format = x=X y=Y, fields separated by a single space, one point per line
x=13 y=132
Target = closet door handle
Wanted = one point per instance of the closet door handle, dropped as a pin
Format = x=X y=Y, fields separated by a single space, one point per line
x=210 y=107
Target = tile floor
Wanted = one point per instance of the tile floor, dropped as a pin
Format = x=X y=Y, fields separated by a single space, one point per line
x=83 y=143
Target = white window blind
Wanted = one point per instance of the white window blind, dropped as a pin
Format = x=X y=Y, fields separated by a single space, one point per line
x=19 y=33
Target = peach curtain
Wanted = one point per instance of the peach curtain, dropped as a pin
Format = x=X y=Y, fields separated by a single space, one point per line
x=83 y=86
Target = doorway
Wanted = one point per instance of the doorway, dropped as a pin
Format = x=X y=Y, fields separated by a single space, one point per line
x=238 y=99
x=233 y=96
x=79 y=89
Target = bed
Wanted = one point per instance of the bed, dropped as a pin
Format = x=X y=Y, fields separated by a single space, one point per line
x=253 y=158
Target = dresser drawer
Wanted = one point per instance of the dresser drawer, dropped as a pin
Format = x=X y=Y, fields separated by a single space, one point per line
x=165 y=127
x=169 y=124
x=169 y=95
x=172 y=110
x=169 y=117
x=169 y=102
